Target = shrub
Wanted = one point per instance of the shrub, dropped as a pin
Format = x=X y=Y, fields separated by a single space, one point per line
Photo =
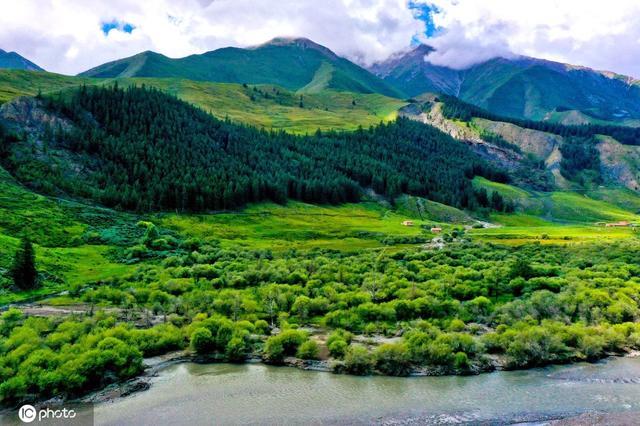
x=236 y=350
x=358 y=360
x=461 y=361
x=283 y=344
x=262 y=327
x=456 y=325
x=274 y=350
x=202 y=340
x=337 y=348
x=340 y=334
x=308 y=350
x=393 y=359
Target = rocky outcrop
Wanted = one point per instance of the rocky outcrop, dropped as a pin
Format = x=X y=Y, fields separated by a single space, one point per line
x=431 y=113
x=541 y=144
x=619 y=163
x=28 y=114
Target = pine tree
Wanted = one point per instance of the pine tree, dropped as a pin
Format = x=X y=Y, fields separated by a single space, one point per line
x=23 y=270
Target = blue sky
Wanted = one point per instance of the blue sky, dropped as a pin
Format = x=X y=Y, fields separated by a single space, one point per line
x=114 y=24
x=424 y=12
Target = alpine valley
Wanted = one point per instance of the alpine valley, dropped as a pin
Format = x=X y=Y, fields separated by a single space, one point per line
x=283 y=204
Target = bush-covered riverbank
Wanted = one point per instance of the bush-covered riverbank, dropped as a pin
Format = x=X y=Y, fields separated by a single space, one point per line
x=463 y=309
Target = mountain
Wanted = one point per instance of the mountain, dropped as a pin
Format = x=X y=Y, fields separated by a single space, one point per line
x=293 y=63
x=520 y=87
x=14 y=61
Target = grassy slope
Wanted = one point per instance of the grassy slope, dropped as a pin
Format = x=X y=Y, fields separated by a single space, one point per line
x=326 y=109
x=281 y=109
x=59 y=229
x=562 y=216
x=56 y=227
x=14 y=83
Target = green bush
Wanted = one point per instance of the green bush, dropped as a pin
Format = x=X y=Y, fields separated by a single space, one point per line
x=393 y=359
x=262 y=327
x=284 y=344
x=237 y=349
x=337 y=348
x=461 y=361
x=358 y=360
x=308 y=350
x=202 y=340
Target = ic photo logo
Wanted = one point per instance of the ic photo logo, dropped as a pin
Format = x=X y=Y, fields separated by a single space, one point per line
x=27 y=413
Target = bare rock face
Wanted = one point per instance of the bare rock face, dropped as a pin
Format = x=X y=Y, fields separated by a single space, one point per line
x=36 y=125
x=620 y=163
x=539 y=143
x=28 y=114
x=434 y=117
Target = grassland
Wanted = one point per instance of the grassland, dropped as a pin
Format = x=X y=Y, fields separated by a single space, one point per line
x=60 y=228
x=266 y=106
x=273 y=107
x=299 y=226
x=79 y=244
x=14 y=83
x=559 y=217
x=598 y=205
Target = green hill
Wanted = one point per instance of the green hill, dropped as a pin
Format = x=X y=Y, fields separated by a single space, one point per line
x=267 y=106
x=290 y=63
x=15 y=83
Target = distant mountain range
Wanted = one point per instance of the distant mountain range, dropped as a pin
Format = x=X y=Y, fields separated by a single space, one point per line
x=518 y=87
x=12 y=60
x=293 y=63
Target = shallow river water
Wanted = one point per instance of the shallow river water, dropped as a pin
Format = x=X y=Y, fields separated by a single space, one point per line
x=193 y=394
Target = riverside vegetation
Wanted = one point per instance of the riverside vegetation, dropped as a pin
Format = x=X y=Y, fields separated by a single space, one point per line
x=463 y=309
x=346 y=283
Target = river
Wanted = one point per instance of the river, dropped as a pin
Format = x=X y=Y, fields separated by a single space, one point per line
x=196 y=394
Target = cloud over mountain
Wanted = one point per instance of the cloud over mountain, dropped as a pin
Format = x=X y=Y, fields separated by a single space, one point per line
x=587 y=32
x=69 y=36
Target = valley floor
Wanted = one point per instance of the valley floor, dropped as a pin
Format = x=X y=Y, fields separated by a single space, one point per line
x=346 y=288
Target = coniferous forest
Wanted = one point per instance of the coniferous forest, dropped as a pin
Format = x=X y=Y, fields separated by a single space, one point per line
x=141 y=149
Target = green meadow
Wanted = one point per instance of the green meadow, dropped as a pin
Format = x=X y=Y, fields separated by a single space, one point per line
x=300 y=226
x=79 y=243
x=266 y=106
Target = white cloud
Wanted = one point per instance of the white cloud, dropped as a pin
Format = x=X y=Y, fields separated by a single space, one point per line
x=602 y=35
x=66 y=35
